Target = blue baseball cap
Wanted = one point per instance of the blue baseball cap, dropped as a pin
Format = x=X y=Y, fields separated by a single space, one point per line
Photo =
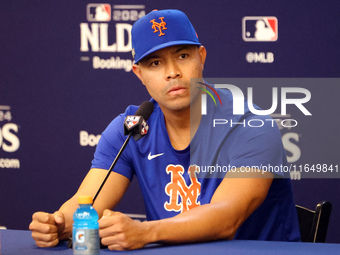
x=161 y=29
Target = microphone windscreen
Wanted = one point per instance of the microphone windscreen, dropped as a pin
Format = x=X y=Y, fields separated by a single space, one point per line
x=145 y=110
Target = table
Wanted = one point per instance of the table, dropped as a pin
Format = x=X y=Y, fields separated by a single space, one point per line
x=17 y=242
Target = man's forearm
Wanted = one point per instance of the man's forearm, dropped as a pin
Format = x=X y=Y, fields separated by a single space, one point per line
x=68 y=209
x=233 y=202
x=204 y=223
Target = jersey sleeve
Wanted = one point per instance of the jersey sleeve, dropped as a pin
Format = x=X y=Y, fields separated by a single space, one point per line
x=108 y=147
x=258 y=147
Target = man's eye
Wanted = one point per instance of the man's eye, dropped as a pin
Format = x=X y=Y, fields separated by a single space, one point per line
x=183 y=56
x=155 y=63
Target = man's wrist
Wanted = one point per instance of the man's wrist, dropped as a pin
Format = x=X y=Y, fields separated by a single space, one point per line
x=152 y=231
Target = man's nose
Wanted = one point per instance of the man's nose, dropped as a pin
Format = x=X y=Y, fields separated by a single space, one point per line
x=173 y=70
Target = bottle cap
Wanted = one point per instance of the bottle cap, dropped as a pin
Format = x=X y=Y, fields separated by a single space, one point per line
x=85 y=200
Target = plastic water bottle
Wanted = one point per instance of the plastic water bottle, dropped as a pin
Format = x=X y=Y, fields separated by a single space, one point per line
x=85 y=228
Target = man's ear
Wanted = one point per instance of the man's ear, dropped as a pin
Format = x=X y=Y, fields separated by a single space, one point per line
x=137 y=71
x=203 y=54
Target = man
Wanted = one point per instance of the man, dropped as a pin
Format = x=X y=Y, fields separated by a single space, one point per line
x=181 y=205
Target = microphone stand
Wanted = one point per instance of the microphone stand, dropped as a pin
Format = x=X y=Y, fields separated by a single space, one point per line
x=112 y=165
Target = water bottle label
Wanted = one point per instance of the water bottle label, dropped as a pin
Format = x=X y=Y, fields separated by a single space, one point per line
x=86 y=242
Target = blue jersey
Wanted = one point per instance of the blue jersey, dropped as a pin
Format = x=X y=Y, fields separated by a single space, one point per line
x=173 y=181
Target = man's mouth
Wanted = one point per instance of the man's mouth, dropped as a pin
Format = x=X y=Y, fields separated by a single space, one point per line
x=177 y=90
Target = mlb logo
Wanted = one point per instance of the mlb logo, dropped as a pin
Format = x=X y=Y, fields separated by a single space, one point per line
x=145 y=128
x=259 y=29
x=98 y=12
x=131 y=121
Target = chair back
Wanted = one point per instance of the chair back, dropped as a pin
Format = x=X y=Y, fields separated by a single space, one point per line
x=314 y=224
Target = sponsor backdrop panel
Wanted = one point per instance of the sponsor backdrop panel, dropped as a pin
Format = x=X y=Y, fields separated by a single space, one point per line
x=66 y=72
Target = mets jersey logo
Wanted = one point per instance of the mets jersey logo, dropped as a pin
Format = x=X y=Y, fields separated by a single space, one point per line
x=182 y=197
x=158 y=27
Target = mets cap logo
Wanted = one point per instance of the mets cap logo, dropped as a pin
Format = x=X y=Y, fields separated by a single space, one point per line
x=158 y=27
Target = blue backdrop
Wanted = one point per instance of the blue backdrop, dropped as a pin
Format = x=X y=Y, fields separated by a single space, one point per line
x=66 y=73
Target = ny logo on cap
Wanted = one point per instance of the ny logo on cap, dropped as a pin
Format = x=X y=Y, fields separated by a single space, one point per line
x=160 y=26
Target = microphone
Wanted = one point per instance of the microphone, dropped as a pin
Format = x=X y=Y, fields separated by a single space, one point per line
x=135 y=126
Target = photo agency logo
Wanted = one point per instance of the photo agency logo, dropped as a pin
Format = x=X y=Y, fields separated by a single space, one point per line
x=301 y=97
x=272 y=103
x=204 y=97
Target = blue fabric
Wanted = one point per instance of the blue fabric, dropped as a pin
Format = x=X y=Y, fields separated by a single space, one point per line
x=223 y=145
x=14 y=242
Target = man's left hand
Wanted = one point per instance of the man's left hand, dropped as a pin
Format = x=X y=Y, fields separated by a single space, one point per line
x=120 y=232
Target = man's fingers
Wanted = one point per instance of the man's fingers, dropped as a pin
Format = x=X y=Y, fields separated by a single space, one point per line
x=115 y=242
x=47 y=244
x=43 y=227
x=43 y=217
x=109 y=218
x=46 y=228
x=115 y=247
x=108 y=231
x=46 y=238
x=109 y=240
x=59 y=217
x=111 y=226
x=105 y=223
x=108 y=213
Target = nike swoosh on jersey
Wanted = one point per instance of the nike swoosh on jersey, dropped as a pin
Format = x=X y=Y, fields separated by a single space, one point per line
x=154 y=156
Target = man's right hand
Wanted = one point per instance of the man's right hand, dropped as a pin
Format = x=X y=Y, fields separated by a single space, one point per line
x=46 y=228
